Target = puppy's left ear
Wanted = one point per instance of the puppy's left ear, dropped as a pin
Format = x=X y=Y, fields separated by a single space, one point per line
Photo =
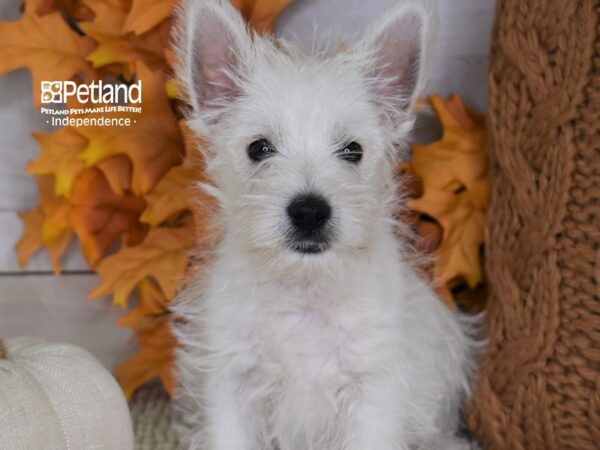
x=398 y=44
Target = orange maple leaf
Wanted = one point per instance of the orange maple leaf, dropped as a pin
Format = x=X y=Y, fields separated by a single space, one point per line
x=261 y=14
x=463 y=225
x=31 y=236
x=457 y=158
x=57 y=247
x=72 y=8
x=56 y=228
x=452 y=173
x=60 y=151
x=108 y=17
x=146 y=14
x=46 y=225
x=117 y=171
x=46 y=45
x=162 y=255
x=31 y=239
x=117 y=46
x=99 y=216
x=171 y=195
x=150 y=323
x=153 y=143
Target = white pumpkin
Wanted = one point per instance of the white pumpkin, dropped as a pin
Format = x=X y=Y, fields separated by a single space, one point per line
x=57 y=396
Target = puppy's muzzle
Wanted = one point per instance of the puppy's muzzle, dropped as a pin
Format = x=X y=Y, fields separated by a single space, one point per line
x=309 y=216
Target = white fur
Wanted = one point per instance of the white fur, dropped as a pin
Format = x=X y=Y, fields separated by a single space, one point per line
x=343 y=350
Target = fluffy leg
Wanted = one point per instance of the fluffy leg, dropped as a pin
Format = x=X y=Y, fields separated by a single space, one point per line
x=373 y=420
x=230 y=416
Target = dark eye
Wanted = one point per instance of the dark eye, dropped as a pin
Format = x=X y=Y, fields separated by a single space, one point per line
x=351 y=152
x=261 y=149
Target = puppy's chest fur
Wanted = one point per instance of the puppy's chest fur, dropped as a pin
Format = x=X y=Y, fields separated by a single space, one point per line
x=323 y=346
x=320 y=340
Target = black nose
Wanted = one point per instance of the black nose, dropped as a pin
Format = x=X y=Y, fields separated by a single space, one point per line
x=309 y=213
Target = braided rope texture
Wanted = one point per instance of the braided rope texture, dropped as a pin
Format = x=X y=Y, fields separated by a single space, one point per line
x=539 y=385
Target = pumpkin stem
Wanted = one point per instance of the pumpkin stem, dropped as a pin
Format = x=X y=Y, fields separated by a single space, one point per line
x=2 y=350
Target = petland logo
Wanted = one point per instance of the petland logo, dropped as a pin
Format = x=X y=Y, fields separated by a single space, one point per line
x=95 y=92
x=98 y=104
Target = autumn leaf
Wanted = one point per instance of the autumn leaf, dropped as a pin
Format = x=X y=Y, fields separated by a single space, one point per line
x=463 y=225
x=46 y=225
x=60 y=151
x=151 y=302
x=171 y=195
x=117 y=46
x=146 y=14
x=150 y=322
x=57 y=249
x=72 y=8
x=458 y=158
x=460 y=251
x=108 y=18
x=430 y=234
x=31 y=235
x=56 y=230
x=99 y=216
x=117 y=171
x=46 y=45
x=153 y=359
x=261 y=14
x=172 y=89
x=452 y=172
x=162 y=255
x=56 y=219
x=31 y=239
x=153 y=143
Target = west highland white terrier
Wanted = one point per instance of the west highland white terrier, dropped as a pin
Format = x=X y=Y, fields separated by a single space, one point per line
x=312 y=329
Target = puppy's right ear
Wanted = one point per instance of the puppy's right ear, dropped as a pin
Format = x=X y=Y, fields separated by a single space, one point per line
x=213 y=46
x=399 y=43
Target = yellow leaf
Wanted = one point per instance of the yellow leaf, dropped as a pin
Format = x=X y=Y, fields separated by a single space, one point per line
x=458 y=158
x=154 y=143
x=56 y=219
x=162 y=255
x=117 y=46
x=171 y=89
x=463 y=225
x=452 y=172
x=46 y=46
x=59 y=156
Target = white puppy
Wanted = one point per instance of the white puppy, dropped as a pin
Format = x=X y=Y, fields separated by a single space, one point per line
x=311 y=330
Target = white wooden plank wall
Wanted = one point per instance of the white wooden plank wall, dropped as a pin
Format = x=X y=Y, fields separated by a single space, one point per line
x=34 y=302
